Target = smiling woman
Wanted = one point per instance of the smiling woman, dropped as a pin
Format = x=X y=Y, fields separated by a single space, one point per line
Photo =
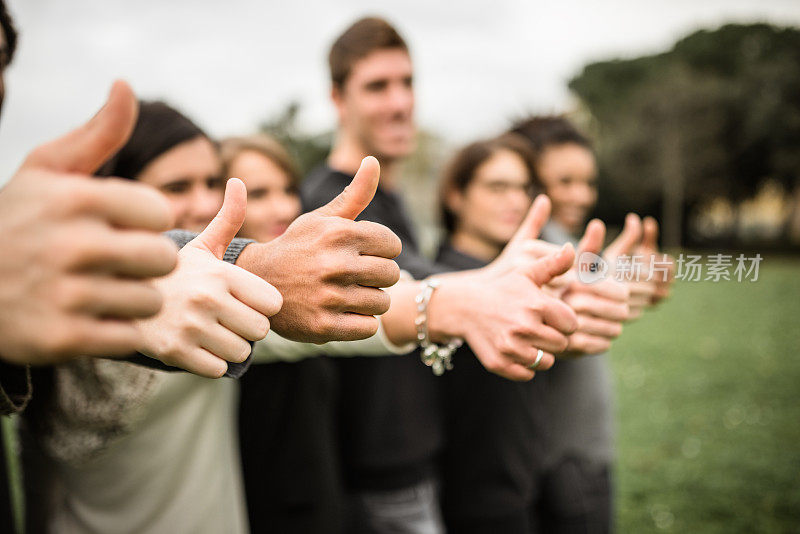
x=127 y=447
x=171 y=153
x=485 y=192
x=273 y=199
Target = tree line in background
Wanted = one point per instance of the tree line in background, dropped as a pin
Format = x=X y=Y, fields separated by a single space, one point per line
x=706 y=136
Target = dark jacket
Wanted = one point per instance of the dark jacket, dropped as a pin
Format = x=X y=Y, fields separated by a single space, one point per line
x=388 y=418
x=495 y=431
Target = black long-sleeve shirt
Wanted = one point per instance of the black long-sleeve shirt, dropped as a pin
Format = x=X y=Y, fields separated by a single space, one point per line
x=495 y=437
x=389 y=420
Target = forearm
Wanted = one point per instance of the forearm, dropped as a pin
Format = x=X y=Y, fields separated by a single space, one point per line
x=445 y=310
x=275 y=348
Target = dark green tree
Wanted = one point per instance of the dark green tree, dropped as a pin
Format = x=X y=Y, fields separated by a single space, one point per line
x=307 y=150
x=716 y=115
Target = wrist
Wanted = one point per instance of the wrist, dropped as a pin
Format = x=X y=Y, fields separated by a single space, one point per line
x=249 y=257
x=438 y=356
x=255 y=258
x=448 y=309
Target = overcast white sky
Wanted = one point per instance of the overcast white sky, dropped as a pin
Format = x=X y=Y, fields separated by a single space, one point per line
x=230 y=64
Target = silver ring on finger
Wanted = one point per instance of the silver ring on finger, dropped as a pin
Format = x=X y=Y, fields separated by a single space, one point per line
x=535 y=364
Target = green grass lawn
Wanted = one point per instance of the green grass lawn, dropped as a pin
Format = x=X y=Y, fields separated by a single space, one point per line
x=708 y=406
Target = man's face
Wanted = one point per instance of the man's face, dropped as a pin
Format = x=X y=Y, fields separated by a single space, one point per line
x=376 y=104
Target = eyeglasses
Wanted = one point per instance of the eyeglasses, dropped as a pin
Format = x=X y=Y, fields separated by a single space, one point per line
x=500 y=187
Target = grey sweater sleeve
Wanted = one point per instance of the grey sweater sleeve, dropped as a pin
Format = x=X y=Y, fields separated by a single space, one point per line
x=181 y=238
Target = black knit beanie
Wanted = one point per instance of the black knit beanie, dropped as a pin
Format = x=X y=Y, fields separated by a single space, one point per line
x=159 y=128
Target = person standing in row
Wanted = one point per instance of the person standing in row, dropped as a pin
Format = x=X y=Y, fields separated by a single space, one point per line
x=389 y=418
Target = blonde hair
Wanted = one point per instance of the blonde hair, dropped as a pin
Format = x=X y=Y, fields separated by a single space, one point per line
x=270 y=148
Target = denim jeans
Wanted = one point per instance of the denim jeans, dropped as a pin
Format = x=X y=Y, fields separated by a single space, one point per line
x=411 y=510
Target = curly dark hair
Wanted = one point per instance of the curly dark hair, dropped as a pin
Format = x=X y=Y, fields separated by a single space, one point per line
x=544 y=131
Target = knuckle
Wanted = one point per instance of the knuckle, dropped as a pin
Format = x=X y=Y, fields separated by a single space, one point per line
x=395 y=244
x=369 y=328
x=261 y=328
x=203 y=299
x=616 y=330
x=69 y=295
x=568 y=319
x=384 y=302
x=521 y=329
x=220 y=270
x=394 y=274
x=171 y=352
x=331 y=297
x=75 y=249
x=153 y=300
x=66 y=339
x=506 y=345
x=193 y=326
x=81 y=200
x=539 y=305
x=243 y=351
x=332 y=267
x=382 y=273
x=326 y=326
x=337 y=230
x=375 y=302
x=547 y=362
x=494 y=366
x=274 y=304
x=58 y=341
x=219 y=372
x=577 y=302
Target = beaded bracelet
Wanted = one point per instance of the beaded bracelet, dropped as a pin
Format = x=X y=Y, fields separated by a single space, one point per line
x=438 y=358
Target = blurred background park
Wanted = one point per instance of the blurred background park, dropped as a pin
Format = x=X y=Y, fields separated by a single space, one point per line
x=695 y=110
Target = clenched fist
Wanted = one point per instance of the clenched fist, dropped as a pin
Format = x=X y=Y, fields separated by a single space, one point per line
x=77 y=253
x=329 y=268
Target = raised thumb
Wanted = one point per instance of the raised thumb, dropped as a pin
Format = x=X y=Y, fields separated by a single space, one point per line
x=356 y=196
x=545 y=269
x=534 y=221
x=223 y=228
x=592 y=240
x=86 y=148
x=649 y=234
x=627 y=239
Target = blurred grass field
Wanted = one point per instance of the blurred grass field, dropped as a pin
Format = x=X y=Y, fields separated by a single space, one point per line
x=708 y=408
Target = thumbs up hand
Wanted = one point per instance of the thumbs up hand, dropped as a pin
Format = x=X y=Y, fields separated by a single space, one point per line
x=649 y=249
x=330 y=268
x=211 y=308
x=76 y=252
x=601 y=306
x=627 y=246
x=501 y=310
